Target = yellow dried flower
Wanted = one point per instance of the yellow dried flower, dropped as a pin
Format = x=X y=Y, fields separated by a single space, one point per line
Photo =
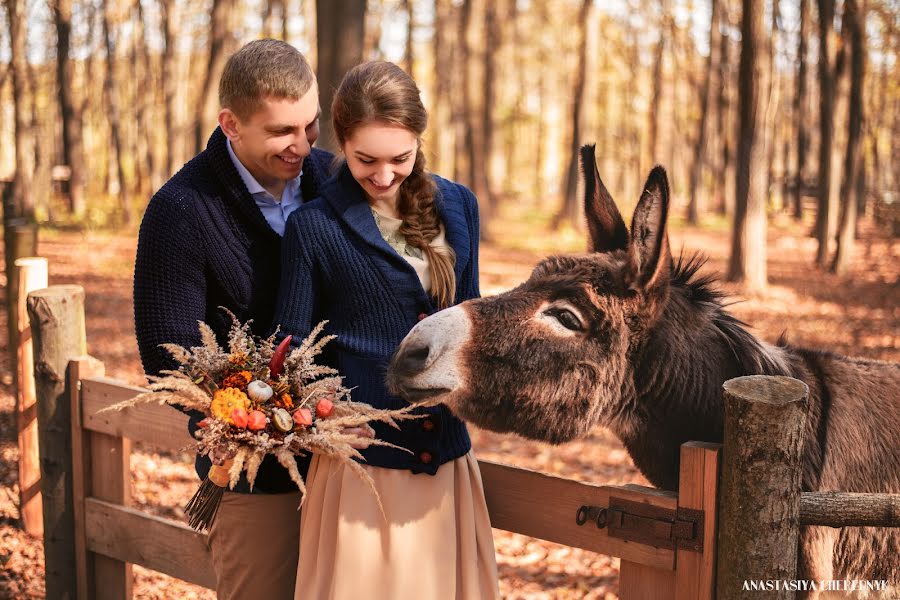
x=239 y=359
x=226 y=400
x=238 y=380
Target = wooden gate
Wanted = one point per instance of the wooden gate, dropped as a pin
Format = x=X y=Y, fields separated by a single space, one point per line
x=110 y=535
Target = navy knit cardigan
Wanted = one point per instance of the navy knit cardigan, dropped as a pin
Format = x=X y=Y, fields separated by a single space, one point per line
x=204 y=243
x=337 y=266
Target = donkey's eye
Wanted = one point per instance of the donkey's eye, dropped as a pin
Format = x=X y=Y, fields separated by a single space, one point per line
x=566 y=318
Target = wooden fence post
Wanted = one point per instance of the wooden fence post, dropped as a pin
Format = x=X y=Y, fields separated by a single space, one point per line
x=101 y=469
x=31 y=274
x=19 y=240
x=57 y=326
x=695 y=572
x=759 y=497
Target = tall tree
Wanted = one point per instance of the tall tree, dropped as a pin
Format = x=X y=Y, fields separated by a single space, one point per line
x=748 y=249
x=110 y=16
x=473 y=89
x=656 y=81
x=340 y=34
x=71 y=112
x=409 y=53
x=219 y=36
x=697 y=204
x=173 y=139
x=23 y=202
x=441 y=131
x=145 y=102
x=725 y=126
x=570 y=209
x=833 y=91
x=854 y=25
x=800 y=107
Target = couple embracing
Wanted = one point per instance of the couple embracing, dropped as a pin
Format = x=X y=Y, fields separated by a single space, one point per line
x=284 y=234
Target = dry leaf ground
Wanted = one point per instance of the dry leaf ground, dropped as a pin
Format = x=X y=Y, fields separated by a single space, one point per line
x=857 y=314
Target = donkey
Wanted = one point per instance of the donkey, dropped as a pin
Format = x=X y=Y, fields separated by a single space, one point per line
x=631 y=339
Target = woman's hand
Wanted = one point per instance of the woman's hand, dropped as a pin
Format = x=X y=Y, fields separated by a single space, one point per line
x=365 y=433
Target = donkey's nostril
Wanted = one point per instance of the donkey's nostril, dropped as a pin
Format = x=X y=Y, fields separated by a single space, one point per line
x=413 y=358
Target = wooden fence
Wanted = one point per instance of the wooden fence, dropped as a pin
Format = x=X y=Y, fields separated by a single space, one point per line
x=668 y=542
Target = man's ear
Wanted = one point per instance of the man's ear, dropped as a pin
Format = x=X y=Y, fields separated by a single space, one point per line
x=229 y=123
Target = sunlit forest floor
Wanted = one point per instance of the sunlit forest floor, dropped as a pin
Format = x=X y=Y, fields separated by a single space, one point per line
x=858 y=314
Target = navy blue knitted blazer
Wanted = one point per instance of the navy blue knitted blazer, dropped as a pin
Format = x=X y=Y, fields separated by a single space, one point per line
x=337 y=266
x=204 y=243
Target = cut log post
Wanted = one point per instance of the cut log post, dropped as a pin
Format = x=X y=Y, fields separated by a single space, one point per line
x=57 y=326
x=31 y=274
x=846 y=509
x=759 y=510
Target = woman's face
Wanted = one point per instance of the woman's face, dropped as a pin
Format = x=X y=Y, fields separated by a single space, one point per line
x=380 y=156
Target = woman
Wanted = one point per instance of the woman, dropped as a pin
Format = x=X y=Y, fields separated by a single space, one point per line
x=385 y=245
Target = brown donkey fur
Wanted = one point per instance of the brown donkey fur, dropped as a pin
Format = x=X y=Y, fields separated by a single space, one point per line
x=630 y=339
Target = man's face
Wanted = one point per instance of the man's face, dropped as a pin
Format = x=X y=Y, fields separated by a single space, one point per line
x=274 y=140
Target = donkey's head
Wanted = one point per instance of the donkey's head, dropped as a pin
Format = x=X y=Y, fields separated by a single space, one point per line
x=555 y=356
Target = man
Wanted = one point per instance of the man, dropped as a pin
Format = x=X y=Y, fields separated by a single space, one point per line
x=212 y=237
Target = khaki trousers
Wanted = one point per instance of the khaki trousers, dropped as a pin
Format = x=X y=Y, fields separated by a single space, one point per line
x=255 y=543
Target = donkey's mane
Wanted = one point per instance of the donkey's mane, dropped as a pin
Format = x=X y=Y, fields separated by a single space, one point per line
x=703 y=292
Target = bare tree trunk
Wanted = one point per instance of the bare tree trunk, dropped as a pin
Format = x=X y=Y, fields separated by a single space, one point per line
x=854 y=20
x=173 y=139
x=697 y=204
x=475 y=87
x=145 y=107
x=72 y=143
x=656 y=80
x=408 y=55
x=21 y=192
x=748 y=250
x=372 y=30
x=831 y=101
x=725 y=173
x=570 y=209
x=111 y=95
x=42 y=144
x=801 y=104
x=340 y=31
x=209 y=99
x=441 y=118
x=492 y=37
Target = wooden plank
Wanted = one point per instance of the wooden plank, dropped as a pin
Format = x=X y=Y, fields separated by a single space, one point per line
x=695 y=572
x=163 y=545
x=31 y=274
x=544 y=507
x=79 y=368
x=642 y=582
x=517 y=498
x=111 y=481
x=162 y=427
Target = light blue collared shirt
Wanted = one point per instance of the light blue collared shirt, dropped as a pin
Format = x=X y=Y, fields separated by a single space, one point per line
x=275 y=212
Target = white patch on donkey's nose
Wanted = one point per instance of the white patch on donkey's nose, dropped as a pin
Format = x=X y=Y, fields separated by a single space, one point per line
x=437 y=344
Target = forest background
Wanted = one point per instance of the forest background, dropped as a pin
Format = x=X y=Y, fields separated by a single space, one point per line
x=775 y=119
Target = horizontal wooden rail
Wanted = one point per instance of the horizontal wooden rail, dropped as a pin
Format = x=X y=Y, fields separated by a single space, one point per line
x=160 y=544
x=845 y=509
x=517 y=498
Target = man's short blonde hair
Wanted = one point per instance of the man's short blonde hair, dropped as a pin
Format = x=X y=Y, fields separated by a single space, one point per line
x=260 y=70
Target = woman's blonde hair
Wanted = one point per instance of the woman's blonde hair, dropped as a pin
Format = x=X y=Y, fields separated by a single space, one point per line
x=382 y=92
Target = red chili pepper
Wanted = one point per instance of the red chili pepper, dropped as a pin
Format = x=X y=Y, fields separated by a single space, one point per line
x=277 y=363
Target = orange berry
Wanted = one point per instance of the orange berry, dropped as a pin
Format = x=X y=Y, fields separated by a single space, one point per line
x=303 y=416
x=324 y=408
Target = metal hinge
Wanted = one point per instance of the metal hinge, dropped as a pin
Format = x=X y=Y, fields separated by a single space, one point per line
x=646 y=524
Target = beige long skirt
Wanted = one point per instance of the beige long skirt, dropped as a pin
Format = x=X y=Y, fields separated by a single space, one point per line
x=436 y=543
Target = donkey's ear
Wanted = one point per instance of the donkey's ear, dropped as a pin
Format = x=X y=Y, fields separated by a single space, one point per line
x=605 y=224
x=649 y=240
